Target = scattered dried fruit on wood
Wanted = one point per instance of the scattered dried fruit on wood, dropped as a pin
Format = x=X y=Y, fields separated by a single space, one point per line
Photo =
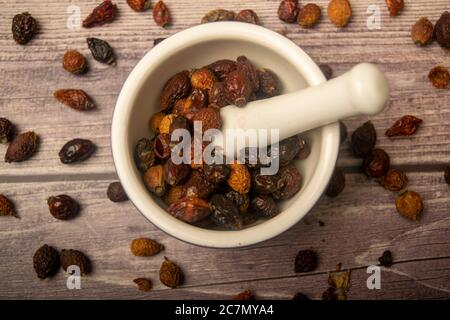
x=24 y=28
x=143 y=284
x=405 y=126
x=364 y=139
x=377 y=163
x=395 y=7
x=442 y=30
x=103 y=13
x=309 y=15
x=386 y=259
x=139 y=5
x=22 y=147
x=101 y=50
x=76 y=150
x=116 y=193
x=46 y=261
x=6 y=130
x=170 y=274
x=422 y=32
x=305 y=261
x=439 y=77
x=74 y=98
x=74 y=62
x=63 y=207
x=288 y=11
x=144 y=247
x=218 y=15
x=75 y=258
x=394 y=180
x=339 y=12
x=7 y=207
x=247 y=16
x=161 y=14
x=245 y=295
x=409 y=204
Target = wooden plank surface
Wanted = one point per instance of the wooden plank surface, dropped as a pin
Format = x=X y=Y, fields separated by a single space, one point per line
x=359 y=224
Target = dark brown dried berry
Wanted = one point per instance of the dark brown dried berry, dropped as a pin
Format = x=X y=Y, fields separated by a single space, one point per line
x=116 y=193
x=405 y=126
x=22 y=147
x=76 y=150
x=24 y=27
x=291 y=180
x=422 y=32
x=237 y=88
x=442 y=30
x=103 y=13
x=343 y=131
x=161 y=14
x=189 y=106
x=190 y=209
x=177 y=87
x=222 y=68
x=326 y=70
x=395 y=7
x=386 y=259
x=300 y=297
x=248 y=16
x=203 y=79
x=439 y=77
x=101 y=50
x=218 y=15
x=209 y=117
x=217 y=95
x=364 y=139
x=173 y=195
x=144 y=247
x=46 y=261
x=63 y=207
x=197 y=186
x=245 y=295
x=143 y=284
x=269 y=85
x=244 y=65
x=309 y=15
x=178 y=122
x=170 y=274
x=6 y=130
x=139 y=5
x=305 y=261
x=340 y=12
x=304 y=151
x=336 y=184
x=216 y=173
x=162 y=146
x=376 y=164
x=174 y=174
x=158 y=41
x=394 y=180
x=288 y=11
x=144 y=154
x=7 y=207
x=225 y=213
x=266 y=184
x=288 y=150
x=447 y=174
x=264 y=206
x=409 y=204
x=75 y=258
x=74 y=98
x=74 y=62
x=242 y=201
x=154 y=180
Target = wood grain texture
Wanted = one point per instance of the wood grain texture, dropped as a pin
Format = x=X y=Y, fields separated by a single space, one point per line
x=359 y=224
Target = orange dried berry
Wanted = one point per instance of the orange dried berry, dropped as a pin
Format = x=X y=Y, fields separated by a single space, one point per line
x=173 y=195
x=422 y=32
x=154 y=180
x=164 y=125
x=170 y=274
x=340 y=12
x=395 y=7
x=155 y=121
x=203 y=79
x=439 y=77
x=394 y=180
x=240 y=178
x=74 y=62
x=409 y=204
x=139 y=5
x=309 y=15
x=144 y=247
x=143 y=284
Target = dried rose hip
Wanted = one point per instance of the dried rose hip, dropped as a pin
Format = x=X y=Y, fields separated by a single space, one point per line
x=248 y=16
x=155 y=121
x=304 y=151
x=237 y=88
x=22 y=147
x=161 y=14
x=174 y=174
x=76 y=150
x=264 y=206
x=74 y=62
x=24 y=27
x=340 y=12
x=395 y=7
x=103 y=13
x=144 y=247
x=422 y=32
x=170 y=274
x=245 y=295
x=309 y=15
x=288 y=11
x=173 y=195
x=203 y=79
x=144 y=154
x=291 y=180
x=6 y=130
x=269 y=85
x=326 y=70
x=74 y=98
x=244 y=65
x=176 y=87
x=178 y=122
x=46 y=261
x=225 y=213
x=305 y=261
x=209 y=117
x=442 y=30
x=75 y=258
x=116 y=193
x=439 y=77
x=189 y=106
x=139 y=5
x=197 y=186
x=101 y=50
x=7 y=207
x=288 y=150
x=143 y=284
x=409 y=204
x=266 y=184
x=63 y=207
x=190 y=209
x=405 y=126
x=217 y=95
x=239 y=179
x=376 y=163
x=394 y=180
x=162 y=146
x=216 y=173
x=218 y=15
x=386 y=259
x=364 y=139
x=336 y=184
x=164 y=125
x=154 y=180
x=222 y=68
x=242 y=201
x=447 y=174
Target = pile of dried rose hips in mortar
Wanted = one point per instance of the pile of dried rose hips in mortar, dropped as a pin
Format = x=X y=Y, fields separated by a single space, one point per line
x=216 y=195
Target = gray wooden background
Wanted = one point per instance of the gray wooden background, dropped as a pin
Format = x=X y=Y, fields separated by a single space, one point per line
x=359 y=225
